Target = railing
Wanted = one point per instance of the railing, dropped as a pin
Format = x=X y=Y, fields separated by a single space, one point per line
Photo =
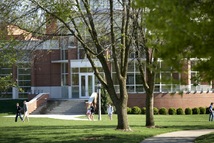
x=37 y=101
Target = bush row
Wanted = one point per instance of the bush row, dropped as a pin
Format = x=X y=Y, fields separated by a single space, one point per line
x=170 y=111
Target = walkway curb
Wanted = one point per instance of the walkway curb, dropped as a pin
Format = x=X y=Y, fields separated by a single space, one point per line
x=187 y=136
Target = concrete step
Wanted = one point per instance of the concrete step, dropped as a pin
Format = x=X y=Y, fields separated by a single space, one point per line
x=65 y=107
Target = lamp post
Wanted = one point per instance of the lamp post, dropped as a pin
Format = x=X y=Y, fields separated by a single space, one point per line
x=99 y=96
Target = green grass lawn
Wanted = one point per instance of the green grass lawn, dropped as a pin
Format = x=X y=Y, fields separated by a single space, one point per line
x=42 y=130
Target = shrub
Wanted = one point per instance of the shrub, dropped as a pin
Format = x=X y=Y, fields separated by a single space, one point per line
x=180 y=111
x=188 y=111
x=143 y=110
x=163 y=111
x=129 y=110
x=155 y=111
x=207 y=110
x=202 y=110
x=136 y=110
x=195 y=110
x=172 y=111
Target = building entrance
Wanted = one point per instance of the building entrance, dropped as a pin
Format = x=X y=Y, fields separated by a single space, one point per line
x=86 y=84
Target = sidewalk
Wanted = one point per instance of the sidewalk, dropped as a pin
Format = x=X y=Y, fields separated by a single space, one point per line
x=54 y=116
x=187 y=136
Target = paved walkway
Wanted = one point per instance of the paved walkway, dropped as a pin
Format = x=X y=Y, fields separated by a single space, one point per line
x=63 y=117
x=187 y=136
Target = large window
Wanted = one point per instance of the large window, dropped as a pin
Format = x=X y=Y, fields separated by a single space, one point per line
x=167 y=80
x=7 y=93
x=24 y=81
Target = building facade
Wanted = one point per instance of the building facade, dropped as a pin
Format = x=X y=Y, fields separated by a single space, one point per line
x=59 y=67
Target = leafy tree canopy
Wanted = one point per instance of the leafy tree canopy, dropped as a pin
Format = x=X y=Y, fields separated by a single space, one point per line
x=184 y=30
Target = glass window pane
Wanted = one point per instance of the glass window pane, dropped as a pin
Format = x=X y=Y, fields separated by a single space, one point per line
x=131 y=67
x=75 y=79
x=130 y=79
x=75 y=70
x=130 y=88
x=139 y=79
x=139 y=89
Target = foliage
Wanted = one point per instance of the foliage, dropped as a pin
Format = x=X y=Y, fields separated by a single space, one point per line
x=188 y=111
x=194 y=39
x=163 y=111
x=202 y=110
x=136 y=110
x=195 y=110
x=129 y=110
x=180 y=111
x=105 y=99
x=9 y=106
x=97 y=32
x=172 y=111
x=143 y=110
x=207 y=110
x=156 y=111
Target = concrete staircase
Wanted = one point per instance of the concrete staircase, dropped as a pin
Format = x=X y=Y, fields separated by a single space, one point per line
x=63 y=107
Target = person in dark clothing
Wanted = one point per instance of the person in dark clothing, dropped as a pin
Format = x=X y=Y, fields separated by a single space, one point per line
x=92 y=112
x=211 y=112
x=18 y=112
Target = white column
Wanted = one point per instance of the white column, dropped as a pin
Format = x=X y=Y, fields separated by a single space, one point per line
x=15 y=93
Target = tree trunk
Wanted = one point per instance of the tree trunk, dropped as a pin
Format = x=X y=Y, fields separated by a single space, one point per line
x=122 y=122
x=149 y=110
x=120 y=102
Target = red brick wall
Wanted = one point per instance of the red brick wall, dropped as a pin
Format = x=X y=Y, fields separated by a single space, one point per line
x=166 y=100
x=44 y=72
x=37 y=101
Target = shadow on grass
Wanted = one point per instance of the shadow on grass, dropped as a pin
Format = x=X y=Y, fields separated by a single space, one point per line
x=67 y=134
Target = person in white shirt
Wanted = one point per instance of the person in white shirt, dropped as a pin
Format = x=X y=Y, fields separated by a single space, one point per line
x=110 y=111
x=26 y=114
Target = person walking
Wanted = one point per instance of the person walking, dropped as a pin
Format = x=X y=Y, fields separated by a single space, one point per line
x=110 y=111
x=92 y=112
x=26 y=114
x=18 y=112
x=211 y=112
x=88 y=113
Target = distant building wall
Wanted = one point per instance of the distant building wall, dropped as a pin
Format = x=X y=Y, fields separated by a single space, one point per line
x=176 y=101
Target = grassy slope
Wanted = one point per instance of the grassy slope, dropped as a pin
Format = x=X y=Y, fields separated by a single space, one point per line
x=53 y=130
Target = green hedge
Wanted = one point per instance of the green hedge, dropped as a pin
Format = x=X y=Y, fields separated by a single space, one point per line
x=195 y=110
x=202 y=110
x=143 y=110
x=180 y=111
x=136 y=110
x=172 y=111
x=163 y=111
x=155 y=111
x=129 y=110
x=188 y=111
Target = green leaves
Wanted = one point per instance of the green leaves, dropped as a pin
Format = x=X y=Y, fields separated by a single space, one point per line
x=185 y=29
